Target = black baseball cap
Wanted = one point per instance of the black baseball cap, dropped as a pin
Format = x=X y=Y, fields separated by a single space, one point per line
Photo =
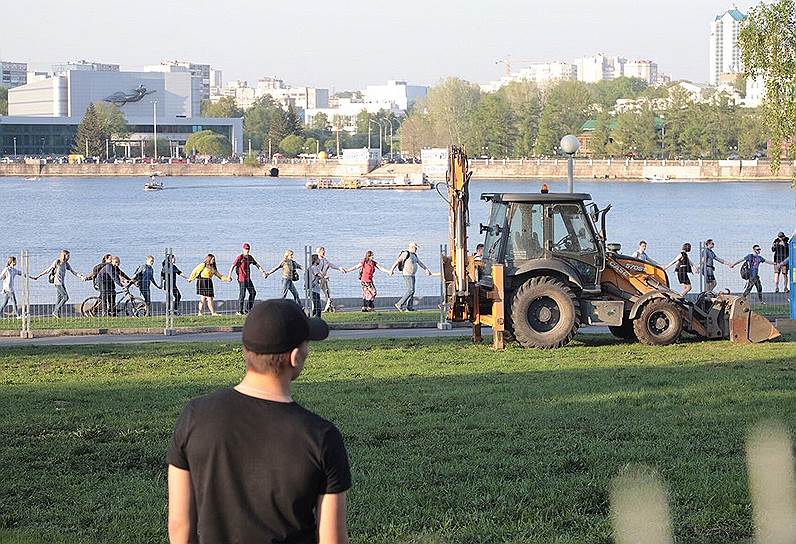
x=279 y=326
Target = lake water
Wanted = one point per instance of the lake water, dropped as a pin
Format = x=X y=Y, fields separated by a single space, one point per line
x=92 y=216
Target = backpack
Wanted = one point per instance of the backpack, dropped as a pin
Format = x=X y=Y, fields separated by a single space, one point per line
x=745 y=270
x=51 y=275
x=401 y=261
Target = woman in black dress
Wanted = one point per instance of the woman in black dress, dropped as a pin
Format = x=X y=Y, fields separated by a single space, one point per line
x=683 y=268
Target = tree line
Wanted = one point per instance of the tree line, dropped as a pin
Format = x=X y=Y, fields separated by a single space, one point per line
x=524 y=120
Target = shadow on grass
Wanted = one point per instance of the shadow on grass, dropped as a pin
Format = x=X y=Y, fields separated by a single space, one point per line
x=515 y=454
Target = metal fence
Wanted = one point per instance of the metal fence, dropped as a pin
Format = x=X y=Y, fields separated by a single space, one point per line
x=81 y=303
x=85 y=307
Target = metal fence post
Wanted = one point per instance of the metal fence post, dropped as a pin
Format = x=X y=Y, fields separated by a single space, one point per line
x=25 y=265
x=702 y=266
x=168 y=286
x=307 y=287
x=443 y=299
x=792 y=276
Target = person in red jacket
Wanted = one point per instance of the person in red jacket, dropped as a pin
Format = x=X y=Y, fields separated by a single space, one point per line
x=367 y=268
x=242 y=264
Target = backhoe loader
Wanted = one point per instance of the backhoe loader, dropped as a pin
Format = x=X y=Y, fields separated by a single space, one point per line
x=547 y=269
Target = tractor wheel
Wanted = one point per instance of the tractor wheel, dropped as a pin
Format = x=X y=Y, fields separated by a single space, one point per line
x=659 y=324
x=544 y=313
x=624 y=331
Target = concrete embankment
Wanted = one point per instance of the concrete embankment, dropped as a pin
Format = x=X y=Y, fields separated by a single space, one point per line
x=482 y=169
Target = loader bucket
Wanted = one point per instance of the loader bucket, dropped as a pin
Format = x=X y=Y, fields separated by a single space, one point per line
x=747 y=327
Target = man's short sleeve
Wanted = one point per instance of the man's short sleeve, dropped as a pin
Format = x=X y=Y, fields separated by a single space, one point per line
x=176 y=455
x=337 y=472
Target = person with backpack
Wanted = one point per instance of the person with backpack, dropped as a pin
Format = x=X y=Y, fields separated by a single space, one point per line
x=175 y=292
x=204 y=274
x=144 y=277
x=92 y=276
x=289 y=275
x=408 y=263
x=7 y=276
x=750 y=271
x=781 y=250
x=242 y=265
x=367 y=268
x=56 y=275
x=683 y=269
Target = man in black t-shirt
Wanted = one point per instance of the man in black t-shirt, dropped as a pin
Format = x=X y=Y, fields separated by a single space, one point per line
x=247 y=464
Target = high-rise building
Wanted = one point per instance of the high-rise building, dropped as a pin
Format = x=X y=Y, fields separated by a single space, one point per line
x=200 y=73
x=13 y=74
x=725 y=55
x=394 y=96
x=216 y=81
x=642 y=69
x=85 y=66
x=599 y=67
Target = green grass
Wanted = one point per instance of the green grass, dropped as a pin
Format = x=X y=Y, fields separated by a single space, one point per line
x=449 y=442
x=224 y=320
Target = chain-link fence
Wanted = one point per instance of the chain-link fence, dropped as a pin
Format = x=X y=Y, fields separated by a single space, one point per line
x=179 y=287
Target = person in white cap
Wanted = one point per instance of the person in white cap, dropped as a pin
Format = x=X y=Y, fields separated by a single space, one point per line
x=407 y=263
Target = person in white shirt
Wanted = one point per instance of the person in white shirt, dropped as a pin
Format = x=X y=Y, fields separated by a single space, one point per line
x=8 y=295
x=641 y=252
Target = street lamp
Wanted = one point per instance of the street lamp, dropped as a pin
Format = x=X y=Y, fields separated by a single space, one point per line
x=155 y=128
x=392 y=134
x=15 y=147
x=570 y=145
x=376 y=122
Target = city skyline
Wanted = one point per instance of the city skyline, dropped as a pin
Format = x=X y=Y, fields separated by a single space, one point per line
x=348 y=47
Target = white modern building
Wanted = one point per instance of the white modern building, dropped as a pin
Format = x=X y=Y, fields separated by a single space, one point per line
x=44 y=114
x=542 y=74
x=725 y=55
x=200 y=72
x=599 y=67
x=13 y=74
x=645 y=70
x=395 y=95
x=755 y=91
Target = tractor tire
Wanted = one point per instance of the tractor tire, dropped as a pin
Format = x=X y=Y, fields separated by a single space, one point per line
x=624 y=331
x=544 y=313
x=659 y=324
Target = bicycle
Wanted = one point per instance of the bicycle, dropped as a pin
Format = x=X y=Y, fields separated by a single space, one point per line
x=128 y=305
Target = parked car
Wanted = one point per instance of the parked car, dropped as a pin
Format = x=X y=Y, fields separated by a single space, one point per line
x=733 y=157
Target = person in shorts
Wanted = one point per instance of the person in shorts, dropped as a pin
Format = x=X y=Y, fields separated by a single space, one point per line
x=781 y=250
x=707 y=265
x=249 y=464
x=683 y=268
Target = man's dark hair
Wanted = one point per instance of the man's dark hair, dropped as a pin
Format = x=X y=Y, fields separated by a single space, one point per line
x=709 y=241
x=479 y=246
x=642 y=242
x=273 y=363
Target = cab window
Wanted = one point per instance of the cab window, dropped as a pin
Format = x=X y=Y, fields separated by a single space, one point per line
x=571 y=231
x=497 y=222
x=526 y=233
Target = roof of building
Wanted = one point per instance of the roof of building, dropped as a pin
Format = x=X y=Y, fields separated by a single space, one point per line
x=734 y=13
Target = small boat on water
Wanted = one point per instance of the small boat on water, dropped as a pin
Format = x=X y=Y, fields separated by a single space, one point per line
x=32 y=179
x=658 y=178
x=418 y=182
x=153 y=184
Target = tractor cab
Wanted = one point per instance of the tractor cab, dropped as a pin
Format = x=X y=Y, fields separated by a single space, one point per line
x=527 y=232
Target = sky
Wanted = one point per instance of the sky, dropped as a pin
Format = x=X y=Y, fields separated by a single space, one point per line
x=352 y=43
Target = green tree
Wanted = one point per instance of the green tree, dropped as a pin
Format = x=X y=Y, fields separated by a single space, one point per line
x=311 y=145
x=257 y=121
x=451 y=106
x=607 y=92
x=493 y=131
x=525 y=100
x=90 y=134
x=768 y=49
x=291 y=145
x=207 y=142
x=164 y=148
x=363 y=122
x=320 y=122
x=224 y=107
x=566 y=107
x=601 y=135
x=3 y=101
x=114 y=125
x=751 y=133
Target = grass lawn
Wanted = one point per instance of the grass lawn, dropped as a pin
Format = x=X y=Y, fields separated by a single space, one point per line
x=224 y=320
x=449 y=442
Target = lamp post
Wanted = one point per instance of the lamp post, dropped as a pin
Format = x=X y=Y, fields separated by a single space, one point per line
x=377 y=122
x=570 y=145
x=155 y=129
x=15 y=147
x=392 y=134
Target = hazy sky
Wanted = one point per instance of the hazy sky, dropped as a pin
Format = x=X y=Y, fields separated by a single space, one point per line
x=350 y=43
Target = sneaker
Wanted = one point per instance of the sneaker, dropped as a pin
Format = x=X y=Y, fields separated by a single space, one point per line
x=364 y=309
x=56 y=316
x=398 y=307
x=776 y=290
x=239 y=313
